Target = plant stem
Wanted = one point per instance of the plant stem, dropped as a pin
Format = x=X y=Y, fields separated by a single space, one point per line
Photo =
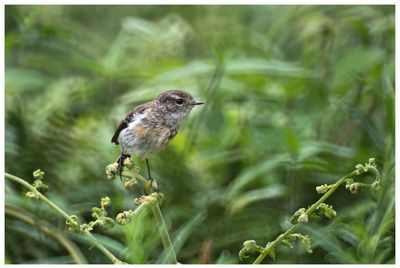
x=41 y=196
x=310 y=210
x=46 y=228
x=103 y=249
x=162 y=228
x=97 y=244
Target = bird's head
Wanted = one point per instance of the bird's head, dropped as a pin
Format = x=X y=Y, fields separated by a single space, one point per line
x=177 y=102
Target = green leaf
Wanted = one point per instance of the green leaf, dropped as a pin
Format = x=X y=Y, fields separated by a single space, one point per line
x=20 y=79
x=182 y=234
x=245 y=199
x=269 y=67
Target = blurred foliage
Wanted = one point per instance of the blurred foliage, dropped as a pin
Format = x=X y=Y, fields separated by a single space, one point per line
x=295 y=97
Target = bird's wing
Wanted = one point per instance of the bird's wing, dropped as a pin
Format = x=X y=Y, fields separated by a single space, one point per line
x=128 y=118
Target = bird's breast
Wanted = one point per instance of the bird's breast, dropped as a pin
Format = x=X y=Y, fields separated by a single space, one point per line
x=146 y=135
x=157 y=134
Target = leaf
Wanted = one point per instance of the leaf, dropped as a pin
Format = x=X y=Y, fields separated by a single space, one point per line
x=138 y=26
x=375 y=135
x=195 y=68
x=19 y=79
x=249 y=197
x=388 y=99
x=182 y=234
x=309 y=149
x=253 y=172
x=269 y=67
x=354 y=62
x=235 y=67
x=325 y=238
x=292 y=141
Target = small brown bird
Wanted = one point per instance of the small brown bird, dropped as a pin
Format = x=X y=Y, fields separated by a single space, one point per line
x=150 y=126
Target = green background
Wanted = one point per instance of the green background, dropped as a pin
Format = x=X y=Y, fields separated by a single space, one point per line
x=295 y=96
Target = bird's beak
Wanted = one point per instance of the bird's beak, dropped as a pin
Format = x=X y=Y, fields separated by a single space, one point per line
x=198 y=103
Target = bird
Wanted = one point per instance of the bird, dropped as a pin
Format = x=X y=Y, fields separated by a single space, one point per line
x=149 y=127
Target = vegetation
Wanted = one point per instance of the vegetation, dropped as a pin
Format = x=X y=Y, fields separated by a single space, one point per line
x=295 y=97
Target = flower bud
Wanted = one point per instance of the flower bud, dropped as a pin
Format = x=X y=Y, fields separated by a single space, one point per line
x=73 y=226
x=124 y=217
x=128 y=162
x=38 y=174
x=111 y=171
x=106 y=222
x=31 y=194
x=105 y=201
x=360 y=169
x=354 y=187
x=98 y=213
x=322 y=188
x=371 y=161
x=129 y=183
x=303 y=218
x=137 y=201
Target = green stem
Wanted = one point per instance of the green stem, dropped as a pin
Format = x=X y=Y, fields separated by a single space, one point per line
x=162 y=228
x=97 y=244
x=41 y=196
x=310 y=210
x=103 y=249
x=46 y=228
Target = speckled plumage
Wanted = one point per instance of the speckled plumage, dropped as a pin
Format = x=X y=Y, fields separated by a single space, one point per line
x=150 y=126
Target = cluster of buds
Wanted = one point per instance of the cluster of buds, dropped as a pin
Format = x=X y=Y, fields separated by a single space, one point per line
x=249 y=247
x=129 y=178
x=38 y=184
x=149 y=199
x=112 y=171
x=75 y=225
x=300 y=216
x=99 y=214
x=105 y=201
x=355 y=187
x=323 y=188
x=124 y=217
x=326 y=210
x=360 y=169
x=129 y=183
x=305 y=240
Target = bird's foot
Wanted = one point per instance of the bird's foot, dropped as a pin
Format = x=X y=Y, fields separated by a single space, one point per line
x=120 y=162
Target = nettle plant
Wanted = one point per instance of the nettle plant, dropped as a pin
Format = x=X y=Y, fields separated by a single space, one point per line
x=316 y=210
x=130 y=178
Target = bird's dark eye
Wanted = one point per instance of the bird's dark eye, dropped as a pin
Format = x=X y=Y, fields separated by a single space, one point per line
x=179 y=101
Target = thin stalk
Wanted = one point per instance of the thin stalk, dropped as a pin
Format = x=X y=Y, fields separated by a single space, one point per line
x=310 y=210
x=103 y=249
x=41 y=196
x=97 y=244
x=46 y=228
x=162 y=228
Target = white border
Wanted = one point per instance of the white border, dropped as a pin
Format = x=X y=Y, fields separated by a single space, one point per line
x=200 y=2
x=177 y=2
x=3 y=138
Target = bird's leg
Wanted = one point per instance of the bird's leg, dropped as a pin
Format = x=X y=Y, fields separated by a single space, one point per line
x=148 y=169
x=120 y=162
x=148 y=185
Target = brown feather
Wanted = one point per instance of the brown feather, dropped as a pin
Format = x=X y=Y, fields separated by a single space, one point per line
x=128 y=118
